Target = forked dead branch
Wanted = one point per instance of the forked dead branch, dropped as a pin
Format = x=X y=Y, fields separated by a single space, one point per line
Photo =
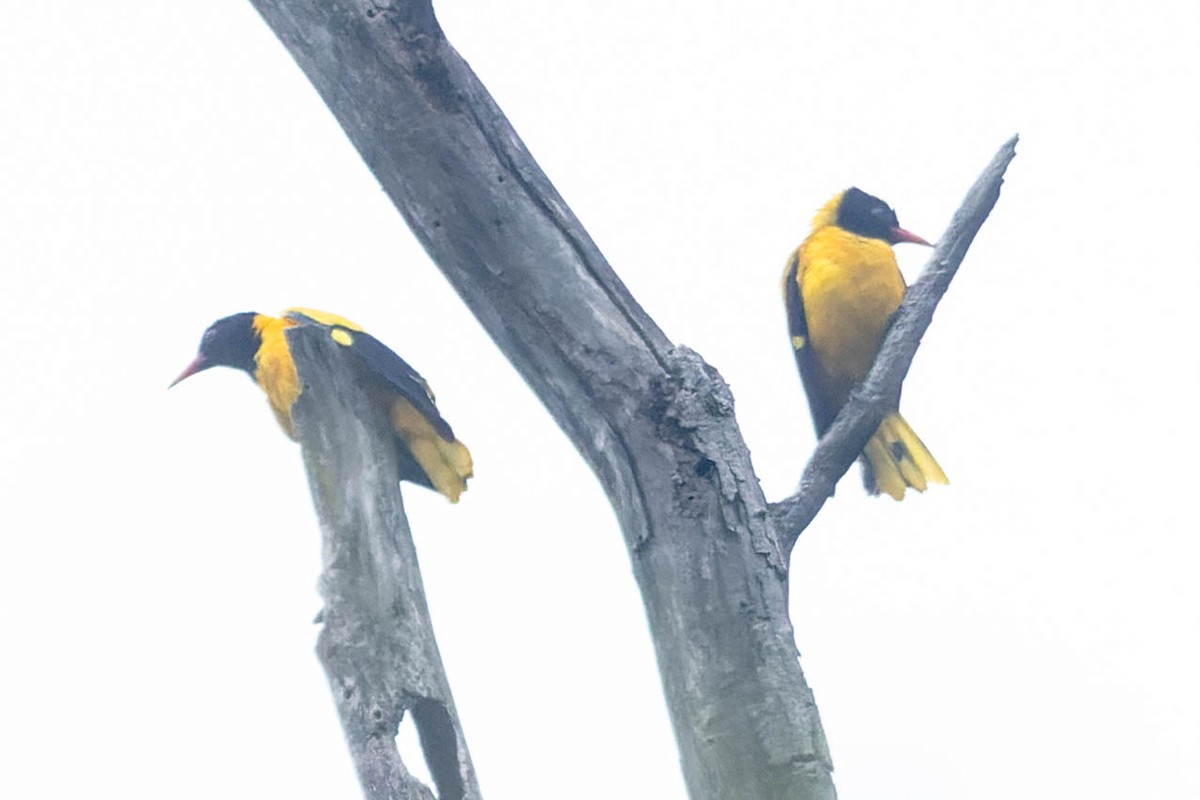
x=654 y=421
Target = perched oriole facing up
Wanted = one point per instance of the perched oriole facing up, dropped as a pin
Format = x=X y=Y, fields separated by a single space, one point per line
x=841 y=287
x=426 y=448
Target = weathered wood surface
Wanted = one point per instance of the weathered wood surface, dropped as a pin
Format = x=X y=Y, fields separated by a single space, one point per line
x=653 y=420
x=376 y=642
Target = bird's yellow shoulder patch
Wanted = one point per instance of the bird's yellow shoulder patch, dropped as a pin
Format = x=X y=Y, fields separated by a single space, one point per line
x=341 y=336
x=798 y=342
x=321 y=318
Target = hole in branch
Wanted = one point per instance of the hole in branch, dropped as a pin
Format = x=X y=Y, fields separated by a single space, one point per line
x=439 y=743
x=409 y=745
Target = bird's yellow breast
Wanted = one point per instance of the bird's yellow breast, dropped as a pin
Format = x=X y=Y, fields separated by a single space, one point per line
x=276 y=371
x=850 y=286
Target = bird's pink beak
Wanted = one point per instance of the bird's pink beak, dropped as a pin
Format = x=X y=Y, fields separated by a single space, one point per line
x=198 y=364
x=901 y=235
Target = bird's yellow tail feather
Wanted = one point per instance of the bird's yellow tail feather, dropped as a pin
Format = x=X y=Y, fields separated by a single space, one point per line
x=898 y=459
x=446 y=463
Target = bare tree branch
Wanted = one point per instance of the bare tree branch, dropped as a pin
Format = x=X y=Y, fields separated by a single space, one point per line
x=654 y=422
x=376 y=643
x=880 y=392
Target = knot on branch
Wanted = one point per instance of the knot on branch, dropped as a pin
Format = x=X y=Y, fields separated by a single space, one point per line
x=382 y=720
x=692 y=408
x=414 y=20
x=369 y=708
x=693 y=411
x=692 y=396
x=413 y=23
x=686 y=404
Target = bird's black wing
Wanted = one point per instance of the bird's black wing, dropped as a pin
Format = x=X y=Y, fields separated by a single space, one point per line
x=391 y=370
x=823 y=412
x=399 y=375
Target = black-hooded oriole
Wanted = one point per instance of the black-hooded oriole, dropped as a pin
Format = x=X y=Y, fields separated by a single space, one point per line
x=428 y=453
x=841 y=287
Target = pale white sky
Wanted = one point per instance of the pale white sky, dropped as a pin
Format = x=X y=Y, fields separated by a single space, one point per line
x=1030 y=630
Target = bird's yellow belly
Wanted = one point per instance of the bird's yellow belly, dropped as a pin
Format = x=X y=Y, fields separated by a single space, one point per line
x=848 y=305
x=276 y=371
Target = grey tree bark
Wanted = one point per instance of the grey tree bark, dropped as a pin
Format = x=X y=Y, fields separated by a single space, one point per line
x=654 y=421
x=376 y=642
